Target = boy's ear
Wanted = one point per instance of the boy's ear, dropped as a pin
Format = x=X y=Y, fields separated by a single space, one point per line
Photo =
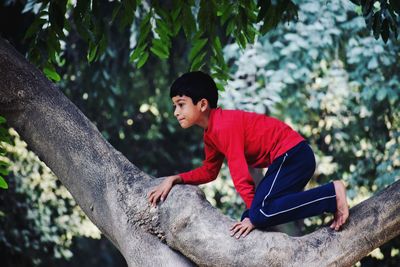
x=203 y=104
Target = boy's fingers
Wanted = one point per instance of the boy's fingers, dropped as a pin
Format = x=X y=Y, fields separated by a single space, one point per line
x=235 y=229
x=236 y=224
x=338 y=223
x=151 y=200
x=154 y=199
x=164 y=196
x=248 y=230
x=241 y=231
x=150 y=193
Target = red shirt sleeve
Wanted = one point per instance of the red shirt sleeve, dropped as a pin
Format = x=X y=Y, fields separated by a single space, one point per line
x=210 y=168
x=232 y=140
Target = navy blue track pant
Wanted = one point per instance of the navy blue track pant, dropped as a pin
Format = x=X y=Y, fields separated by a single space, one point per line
x=280 y=198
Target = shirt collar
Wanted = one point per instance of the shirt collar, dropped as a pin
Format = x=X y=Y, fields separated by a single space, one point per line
x=211 y=119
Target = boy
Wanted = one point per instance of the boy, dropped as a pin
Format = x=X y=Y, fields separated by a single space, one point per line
x=246 y=138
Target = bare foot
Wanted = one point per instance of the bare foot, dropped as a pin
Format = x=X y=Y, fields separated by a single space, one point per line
x=342 y=210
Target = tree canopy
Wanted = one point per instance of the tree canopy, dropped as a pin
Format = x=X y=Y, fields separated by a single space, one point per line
x=207 y=25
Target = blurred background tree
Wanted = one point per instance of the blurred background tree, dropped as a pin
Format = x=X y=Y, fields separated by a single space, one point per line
x=324 y=74
x=339 y=87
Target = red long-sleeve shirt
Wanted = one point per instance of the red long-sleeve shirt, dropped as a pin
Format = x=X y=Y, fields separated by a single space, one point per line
x=245 y=139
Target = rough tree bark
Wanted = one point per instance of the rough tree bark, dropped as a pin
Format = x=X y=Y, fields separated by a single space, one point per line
x=185 y=230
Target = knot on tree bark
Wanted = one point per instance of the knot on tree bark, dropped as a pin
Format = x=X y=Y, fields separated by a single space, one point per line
x=17 y=83
x=132 y=194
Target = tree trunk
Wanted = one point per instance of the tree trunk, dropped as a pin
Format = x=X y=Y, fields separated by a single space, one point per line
x=185 y=229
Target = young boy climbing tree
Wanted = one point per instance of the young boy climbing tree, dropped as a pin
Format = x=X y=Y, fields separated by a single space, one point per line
x=251 y=139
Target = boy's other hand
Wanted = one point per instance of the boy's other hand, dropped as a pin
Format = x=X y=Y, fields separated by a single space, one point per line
x=242 y=229
x=161 y=191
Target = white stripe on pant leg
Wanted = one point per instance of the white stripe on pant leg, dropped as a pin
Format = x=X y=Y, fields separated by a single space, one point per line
x=273 y=182
x=283 y=211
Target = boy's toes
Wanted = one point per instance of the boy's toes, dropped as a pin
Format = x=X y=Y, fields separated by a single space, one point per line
x=341 y=201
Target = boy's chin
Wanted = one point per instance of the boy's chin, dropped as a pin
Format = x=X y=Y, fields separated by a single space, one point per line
x=184 y=125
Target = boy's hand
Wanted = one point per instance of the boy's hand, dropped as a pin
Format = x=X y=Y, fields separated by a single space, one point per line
x=161 y=191
x=242 y=228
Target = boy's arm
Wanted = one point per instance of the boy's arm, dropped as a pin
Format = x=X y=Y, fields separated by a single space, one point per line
x=232 y=138
x=161 y=191
x=209 y=169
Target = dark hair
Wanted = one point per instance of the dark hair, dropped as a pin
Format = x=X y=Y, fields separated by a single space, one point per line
x=196 y=85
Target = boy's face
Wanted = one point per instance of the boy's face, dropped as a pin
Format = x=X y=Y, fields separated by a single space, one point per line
x=187 y=113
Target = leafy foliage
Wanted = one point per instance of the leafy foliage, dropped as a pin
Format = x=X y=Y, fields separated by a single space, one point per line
x=4 y=138
x=207 y=24
x=202 y=22
x=382 y=17
x=38 y=201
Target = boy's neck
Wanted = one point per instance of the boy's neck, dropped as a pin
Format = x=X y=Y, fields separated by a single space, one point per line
x=204 y=119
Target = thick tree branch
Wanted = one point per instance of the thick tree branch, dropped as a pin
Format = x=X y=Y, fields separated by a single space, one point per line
x=112 y=192
x=89 y=167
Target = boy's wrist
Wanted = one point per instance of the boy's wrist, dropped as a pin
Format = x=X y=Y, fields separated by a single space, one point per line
x=175 y=179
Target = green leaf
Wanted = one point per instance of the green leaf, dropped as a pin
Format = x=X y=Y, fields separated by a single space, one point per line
x=158 y=53
x=142 y=60
x=385 y=30
x=83 y=31
x=57 y=11
x=2 y=120
x=230 y=27
x=176 y=11
x=220 y=74
x=188 y=21
x=115 y=12
x=163 y=29
x=52 y=74
x=227 y=13
x=367 y=7
x=35 y=27
x=4 y=164
x=269 y=20
x=250 y=33
x=198 y=45
x=3 y=183
x=217 y=44
x=144 y=34
x=159 y=49
x=176 y=26
x=128 y=14
x=198 y=62
x=137 y=52
x=242 y=40
x=4 y=171
x=377 y=24
x=92 y=52
x=220 y=87
x=102 y=46
x=264 y=5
